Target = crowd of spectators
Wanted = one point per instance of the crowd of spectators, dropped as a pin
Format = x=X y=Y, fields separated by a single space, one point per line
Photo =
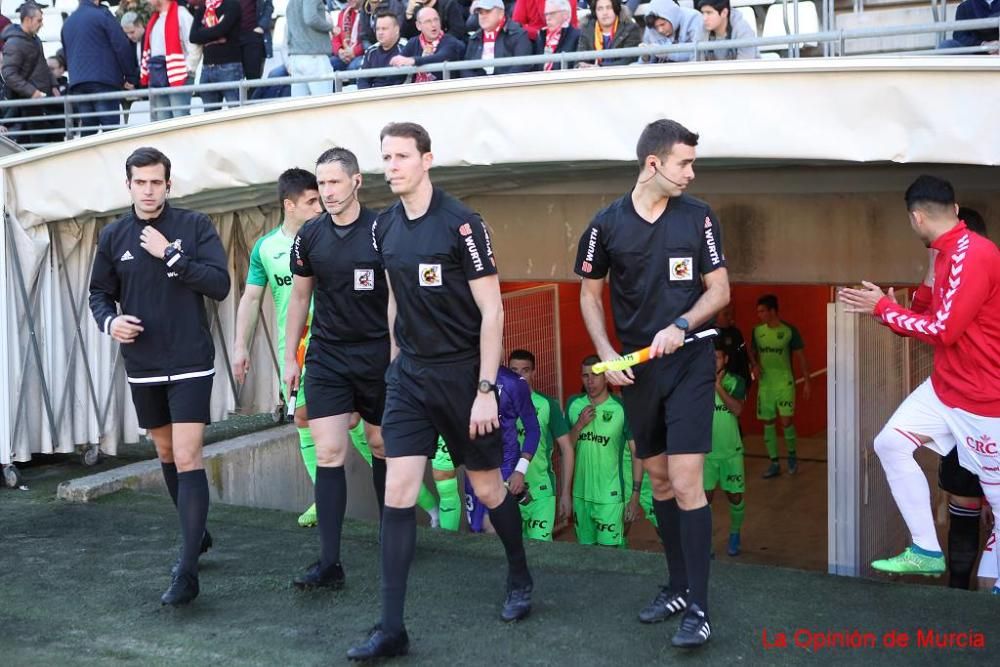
x=161 y=44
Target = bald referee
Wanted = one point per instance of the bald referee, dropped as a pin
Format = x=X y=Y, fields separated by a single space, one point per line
x=662 y=250
x=446 y=320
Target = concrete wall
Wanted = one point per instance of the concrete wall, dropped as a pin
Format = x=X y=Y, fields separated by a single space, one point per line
x=820 y=225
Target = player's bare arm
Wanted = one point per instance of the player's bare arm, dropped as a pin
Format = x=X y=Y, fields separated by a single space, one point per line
x=486 y=293
x=714 y=299
x=247 y=315
x=592 y=309
x=295 y=322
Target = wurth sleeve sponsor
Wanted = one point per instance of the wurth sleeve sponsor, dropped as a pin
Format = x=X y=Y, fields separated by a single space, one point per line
x=105 y=287
x=712 y=256
x=591 y=255
x=209 y=273
x=298 y=259
x=477 y=249
x=960 y=290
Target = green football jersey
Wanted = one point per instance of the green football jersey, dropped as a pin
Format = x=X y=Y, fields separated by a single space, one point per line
x=774 y=347
x=598 y=476
x=540 y=478
x=269 y=266
x=726 y=440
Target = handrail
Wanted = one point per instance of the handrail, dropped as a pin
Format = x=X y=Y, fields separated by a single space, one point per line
x=447 y=69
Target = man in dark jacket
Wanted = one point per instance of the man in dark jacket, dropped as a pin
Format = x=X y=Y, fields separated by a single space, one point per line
x=451 y=12
x=216 y=27
x=558 y=35
x=157 y=264
x=975 y=9
x=26 y=75
x=431 y=46
x=383 y=51
x=497 y=37
x=255 y=35
x=100 y=59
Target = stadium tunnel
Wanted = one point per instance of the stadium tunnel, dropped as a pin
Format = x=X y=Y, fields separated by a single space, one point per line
x=804 y=161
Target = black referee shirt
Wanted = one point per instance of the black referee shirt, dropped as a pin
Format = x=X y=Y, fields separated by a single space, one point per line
x=351 y=296
x=655 y=268
x=430 y=261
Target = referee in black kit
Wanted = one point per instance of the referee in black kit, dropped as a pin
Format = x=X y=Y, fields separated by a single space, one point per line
x=446 y=317
x=663 y=252
x=158 y=263
x=335 y=265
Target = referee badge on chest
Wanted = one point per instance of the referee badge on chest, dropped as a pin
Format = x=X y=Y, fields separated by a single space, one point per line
x=681 y=268
x=429 y=275
x=364 y=280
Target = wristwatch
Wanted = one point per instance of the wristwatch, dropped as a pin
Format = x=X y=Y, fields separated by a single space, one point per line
x=681 y=324
x=169 y=252
x=486 y=387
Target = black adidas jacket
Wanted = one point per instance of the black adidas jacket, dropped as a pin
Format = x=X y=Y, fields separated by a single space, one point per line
x=176 y=342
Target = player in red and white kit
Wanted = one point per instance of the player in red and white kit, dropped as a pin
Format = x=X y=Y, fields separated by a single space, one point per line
x=959 y=406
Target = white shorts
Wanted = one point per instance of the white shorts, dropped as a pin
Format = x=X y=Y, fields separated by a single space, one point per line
x=975 y=437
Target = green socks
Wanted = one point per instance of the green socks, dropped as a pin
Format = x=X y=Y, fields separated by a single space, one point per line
x=791 y=437
x=771 y=440
x=736 y=516
x=450 y=504
x=426 y=500
x=308 y=449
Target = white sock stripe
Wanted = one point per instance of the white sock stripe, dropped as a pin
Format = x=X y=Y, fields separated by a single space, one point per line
x=958 y=510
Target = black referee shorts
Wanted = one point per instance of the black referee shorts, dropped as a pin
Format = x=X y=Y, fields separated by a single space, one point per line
x=425 y=400
x=955 y=479
x=183 y=402
x=671 y=405
x=345 y=378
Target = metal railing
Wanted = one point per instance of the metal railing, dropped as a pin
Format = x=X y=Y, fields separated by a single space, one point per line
x=41 y=121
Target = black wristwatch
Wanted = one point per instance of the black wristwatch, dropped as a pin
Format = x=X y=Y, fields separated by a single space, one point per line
x=486 y=387
x=681 y=324
x=169 y=252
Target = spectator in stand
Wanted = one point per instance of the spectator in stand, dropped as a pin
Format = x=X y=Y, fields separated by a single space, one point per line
x=497 y=37
x=255 y=35
x=432 y=45
x=558 y=35
x=452 y=14
x=667 y=23
x=370 y=10
x=100 y=59
x=4 y=22
x=166 y=49
x=57 y=65
x=217 y=28
x=309 y=45
x=976 y=9
x=142 y=8
x=531 y=15
x=27 y=76
x=720 y=23
x=134 y=29
x=381 y=53
x=348 y=53
x=611 y=26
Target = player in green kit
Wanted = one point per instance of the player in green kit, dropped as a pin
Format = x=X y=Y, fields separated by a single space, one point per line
x=771 y=348
x=425 y=500
x=539 y=515
x=298 y=195
x=446 y=481
x=724 y=464
x=602 y=504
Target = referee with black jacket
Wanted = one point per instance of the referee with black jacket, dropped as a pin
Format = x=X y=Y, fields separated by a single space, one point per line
x=158 y=263
x=446 y=323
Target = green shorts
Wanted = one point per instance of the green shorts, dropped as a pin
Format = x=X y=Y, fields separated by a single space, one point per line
x=726 y=473
x=538 y=517
x=775 y=399
x=599 y=523
x=442 y=458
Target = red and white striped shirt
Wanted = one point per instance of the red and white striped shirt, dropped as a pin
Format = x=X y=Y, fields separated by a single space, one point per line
x=960 y=317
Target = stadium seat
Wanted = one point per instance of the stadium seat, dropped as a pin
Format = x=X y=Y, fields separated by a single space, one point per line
x=751 y=17
x=278 y=38
x=750 y=3
x=280 y=6
x=197 y=106
x=138 y=113
x=51 y=26
x=774 y=24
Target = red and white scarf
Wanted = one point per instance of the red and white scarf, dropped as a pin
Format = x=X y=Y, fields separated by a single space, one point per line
x=551 y=44
x=427 y=48
x=211 y=17
x=177 y=70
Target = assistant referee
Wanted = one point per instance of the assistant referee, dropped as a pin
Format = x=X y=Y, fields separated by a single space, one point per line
x=158 y=263
x=446 y=317
x=663 y=252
